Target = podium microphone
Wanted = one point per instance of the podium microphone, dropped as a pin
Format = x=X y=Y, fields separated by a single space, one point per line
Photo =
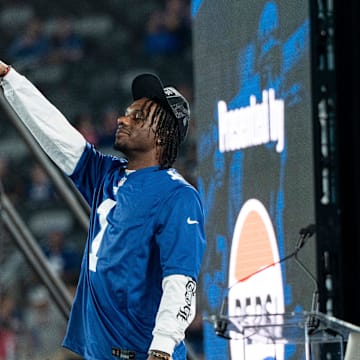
x=305 y=234
x=221 y=323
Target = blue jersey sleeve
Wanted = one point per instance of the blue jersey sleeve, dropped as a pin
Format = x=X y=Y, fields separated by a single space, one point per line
x=181 y=237
x=91 y=169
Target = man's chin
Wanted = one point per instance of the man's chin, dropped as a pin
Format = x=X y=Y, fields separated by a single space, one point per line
x=117 y=147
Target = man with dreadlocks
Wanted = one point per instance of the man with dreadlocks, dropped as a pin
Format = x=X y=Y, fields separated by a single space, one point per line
x=137 y=285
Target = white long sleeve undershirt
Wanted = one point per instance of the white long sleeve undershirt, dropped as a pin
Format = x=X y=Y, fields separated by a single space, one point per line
x=176 y=312
x=59 y=139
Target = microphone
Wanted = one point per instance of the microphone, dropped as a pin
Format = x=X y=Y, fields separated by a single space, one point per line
x=305 y=234
x=221 y=322
x=308 y=231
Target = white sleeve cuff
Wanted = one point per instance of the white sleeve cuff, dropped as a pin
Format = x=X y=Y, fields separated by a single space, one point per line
x=163 y=343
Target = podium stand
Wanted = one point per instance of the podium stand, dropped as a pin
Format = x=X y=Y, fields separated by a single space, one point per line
x=307 y=328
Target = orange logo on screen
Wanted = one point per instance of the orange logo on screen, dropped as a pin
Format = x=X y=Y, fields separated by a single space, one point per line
x=254 y=248
x=255 y=283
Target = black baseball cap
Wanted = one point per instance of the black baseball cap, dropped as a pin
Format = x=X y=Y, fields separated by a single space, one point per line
x=150 y=86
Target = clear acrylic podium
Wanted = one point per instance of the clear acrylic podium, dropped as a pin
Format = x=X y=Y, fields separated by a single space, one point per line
x=307 y=328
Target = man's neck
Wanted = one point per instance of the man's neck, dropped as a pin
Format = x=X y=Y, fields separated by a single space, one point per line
x=136 y=165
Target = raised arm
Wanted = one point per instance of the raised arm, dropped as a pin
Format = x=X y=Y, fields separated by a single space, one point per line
x=59 y=139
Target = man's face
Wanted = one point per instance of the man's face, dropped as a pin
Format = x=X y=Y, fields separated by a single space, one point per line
x=135 y=133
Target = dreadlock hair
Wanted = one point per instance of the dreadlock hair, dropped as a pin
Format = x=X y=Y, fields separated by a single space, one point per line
x=166 y=132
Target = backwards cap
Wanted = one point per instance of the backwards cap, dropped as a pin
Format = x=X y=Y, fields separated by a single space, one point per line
x=150 y=86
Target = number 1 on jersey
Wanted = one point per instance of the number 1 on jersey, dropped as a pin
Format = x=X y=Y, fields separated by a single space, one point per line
x=103 y=211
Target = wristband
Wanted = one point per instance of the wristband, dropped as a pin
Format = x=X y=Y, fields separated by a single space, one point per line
x=159 y=355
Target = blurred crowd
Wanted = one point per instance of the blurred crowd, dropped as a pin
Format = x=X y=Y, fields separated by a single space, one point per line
x=83 y=56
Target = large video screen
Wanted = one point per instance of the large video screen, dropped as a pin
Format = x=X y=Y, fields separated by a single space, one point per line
x=256 y=168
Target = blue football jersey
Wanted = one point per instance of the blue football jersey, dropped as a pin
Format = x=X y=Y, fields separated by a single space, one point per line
x=144 y=226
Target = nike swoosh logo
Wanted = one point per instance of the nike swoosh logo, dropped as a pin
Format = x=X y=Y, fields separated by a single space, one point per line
x=190 y=222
